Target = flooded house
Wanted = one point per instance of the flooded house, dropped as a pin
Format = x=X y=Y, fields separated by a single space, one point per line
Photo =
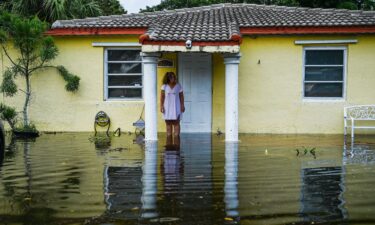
x=244 y=68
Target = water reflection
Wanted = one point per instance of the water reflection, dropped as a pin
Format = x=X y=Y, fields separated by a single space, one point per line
x=123 y=190
x=149 y=180
x=130 y=189
x=359 y=153
x=197 y=179
x=322 y=194
x=102 y=142
x=186 y=194
x=172 y=169
x=231 y=174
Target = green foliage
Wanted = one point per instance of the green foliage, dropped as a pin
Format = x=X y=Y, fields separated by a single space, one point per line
x=8 y=86
x=72 y=81
x=366 y=4
x=8 y=114
x=176 y=4
x=111 y=7
x=3 y=36
x=79 y=9
x=29 y=128
x=48 y=50
x=347 y=4
x=51 y=10
x=27 y=35
x=35 y=52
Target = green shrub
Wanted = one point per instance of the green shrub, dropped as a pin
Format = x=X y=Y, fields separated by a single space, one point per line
x=8 y=114
x=30 y=128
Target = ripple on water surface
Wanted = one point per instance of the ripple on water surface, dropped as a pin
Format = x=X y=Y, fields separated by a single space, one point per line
x=73 y=178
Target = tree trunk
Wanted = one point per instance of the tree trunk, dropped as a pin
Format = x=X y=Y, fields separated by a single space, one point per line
x=27 y=100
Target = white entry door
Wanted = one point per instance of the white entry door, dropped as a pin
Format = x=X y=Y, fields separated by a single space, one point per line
x=195 y=76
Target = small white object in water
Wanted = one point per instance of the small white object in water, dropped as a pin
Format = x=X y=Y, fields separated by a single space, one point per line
x=165 y=219
x=266 y=152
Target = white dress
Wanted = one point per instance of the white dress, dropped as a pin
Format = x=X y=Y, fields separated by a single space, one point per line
x=172 y=105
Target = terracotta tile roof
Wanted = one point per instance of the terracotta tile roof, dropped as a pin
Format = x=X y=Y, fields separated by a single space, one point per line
x=223 y=21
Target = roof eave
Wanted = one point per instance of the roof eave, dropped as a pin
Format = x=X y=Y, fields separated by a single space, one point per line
x=273 y=30
x=85 y=31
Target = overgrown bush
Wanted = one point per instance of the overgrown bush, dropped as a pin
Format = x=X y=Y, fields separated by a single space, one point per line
x=8 y=114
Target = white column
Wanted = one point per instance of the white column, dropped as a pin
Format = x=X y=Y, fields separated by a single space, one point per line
x=231 y=62
x=149 y=180
x=150 y=61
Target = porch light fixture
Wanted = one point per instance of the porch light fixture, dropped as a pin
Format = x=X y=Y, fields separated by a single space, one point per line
x=188 y=44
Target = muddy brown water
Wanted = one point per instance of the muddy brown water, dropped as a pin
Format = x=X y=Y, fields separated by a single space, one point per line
x=71 y=178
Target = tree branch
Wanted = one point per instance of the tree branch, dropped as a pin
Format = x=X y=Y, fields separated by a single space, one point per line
x=22 y=91
x=8 y=56
x=41 y=66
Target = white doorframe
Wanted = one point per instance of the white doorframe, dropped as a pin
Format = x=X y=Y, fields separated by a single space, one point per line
x=197 y=62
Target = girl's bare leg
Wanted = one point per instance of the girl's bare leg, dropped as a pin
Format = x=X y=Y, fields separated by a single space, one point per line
x=169 y=129
x=177 y=128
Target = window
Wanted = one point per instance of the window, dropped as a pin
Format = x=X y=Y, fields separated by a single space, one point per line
x=324 y=72
x=123 y=74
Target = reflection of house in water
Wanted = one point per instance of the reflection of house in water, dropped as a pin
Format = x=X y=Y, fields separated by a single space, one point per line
x=359 y=161
x=123 y=191
x=322 y=194
x=184 y=186
x=187 y=181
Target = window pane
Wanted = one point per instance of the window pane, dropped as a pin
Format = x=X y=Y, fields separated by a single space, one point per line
x=125 y=93
x=124 y=55
x=323 y=90
x=323 y=73
x=324 y=57
x=124 y=80
x=124 y=68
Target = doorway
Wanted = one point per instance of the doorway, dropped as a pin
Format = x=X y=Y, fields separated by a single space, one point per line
x=195 y=76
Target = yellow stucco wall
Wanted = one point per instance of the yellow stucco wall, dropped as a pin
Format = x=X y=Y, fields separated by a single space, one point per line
x=54 y=109
x=270 y=93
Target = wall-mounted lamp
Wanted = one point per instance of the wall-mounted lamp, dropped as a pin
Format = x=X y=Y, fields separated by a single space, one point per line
x=188 y=44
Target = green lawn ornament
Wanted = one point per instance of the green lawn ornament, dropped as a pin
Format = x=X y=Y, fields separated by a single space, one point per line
x=102 y=120
x=140 y=124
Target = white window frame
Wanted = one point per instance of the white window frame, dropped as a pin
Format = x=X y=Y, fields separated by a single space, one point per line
x=106 y=87
x=325 y=99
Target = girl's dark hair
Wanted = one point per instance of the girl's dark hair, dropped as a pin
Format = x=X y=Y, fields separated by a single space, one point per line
x=167 y=77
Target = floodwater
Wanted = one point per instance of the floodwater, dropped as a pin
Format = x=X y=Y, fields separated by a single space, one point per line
x=71 y=178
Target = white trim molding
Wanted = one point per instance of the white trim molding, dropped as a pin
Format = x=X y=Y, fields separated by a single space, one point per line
x=116 y=44
x=307 y=42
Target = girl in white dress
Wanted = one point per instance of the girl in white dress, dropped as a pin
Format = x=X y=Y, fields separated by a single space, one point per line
x=172 y=103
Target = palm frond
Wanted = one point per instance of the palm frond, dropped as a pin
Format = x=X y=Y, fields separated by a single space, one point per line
x=26 y=7
x=84 y=8
x=56 y=9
